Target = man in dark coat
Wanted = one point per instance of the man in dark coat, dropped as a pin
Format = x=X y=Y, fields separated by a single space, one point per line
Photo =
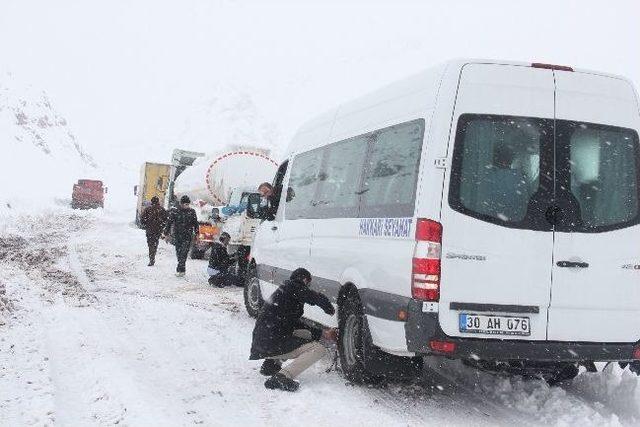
x=184 y=221
x=219 y=263
x=280 y=335
x=153 y=220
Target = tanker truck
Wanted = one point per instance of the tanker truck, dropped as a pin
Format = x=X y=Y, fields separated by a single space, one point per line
x=211 y=182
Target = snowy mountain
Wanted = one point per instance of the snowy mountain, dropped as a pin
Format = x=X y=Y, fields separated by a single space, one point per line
x=43 y=157
x=228 y=117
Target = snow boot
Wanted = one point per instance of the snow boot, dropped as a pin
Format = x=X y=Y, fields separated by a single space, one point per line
x=180 y=274
x=281 y=382
x=270 y=367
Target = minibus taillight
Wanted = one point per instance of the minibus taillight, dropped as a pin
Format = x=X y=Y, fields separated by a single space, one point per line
x=425 y=275
x=636 y=352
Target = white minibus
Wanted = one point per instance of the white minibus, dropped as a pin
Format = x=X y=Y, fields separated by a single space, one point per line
x=481 y=210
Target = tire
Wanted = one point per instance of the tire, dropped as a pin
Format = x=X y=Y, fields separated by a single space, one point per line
x=563 y=373
x=196 y=253
x=253 y=301
x=361 y=361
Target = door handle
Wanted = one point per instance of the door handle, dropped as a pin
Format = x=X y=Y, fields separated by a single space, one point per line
x=572 y=264
x=274 y=228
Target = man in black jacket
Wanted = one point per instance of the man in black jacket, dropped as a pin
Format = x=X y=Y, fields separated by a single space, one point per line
x=185 y=225
x=219 y=263
x=280 y=335
x=153 y=219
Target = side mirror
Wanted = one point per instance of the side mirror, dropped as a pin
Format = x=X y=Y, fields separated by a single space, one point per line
x=106 y=190
x=135 y=190
x=253 y=206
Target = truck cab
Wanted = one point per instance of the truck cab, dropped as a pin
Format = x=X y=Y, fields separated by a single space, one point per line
x=88 y=194
x=239 y=225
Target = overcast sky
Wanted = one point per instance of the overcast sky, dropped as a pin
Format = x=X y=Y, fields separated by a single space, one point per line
x=129 y=74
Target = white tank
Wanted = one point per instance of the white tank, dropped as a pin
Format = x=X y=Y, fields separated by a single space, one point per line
x=212 y=178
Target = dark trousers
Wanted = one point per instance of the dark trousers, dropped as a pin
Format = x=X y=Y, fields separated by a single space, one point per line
x=226 y=279
x=182 y=252
x=152 y=242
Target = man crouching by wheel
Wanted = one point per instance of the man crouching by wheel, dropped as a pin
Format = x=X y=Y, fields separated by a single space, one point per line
x=220 y=262
x=279 y=334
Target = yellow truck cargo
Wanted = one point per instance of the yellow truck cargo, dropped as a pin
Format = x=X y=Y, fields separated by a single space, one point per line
x=154 y=181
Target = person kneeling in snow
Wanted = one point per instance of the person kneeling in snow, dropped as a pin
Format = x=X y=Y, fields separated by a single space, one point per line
x=219 y=263
x=280 y=335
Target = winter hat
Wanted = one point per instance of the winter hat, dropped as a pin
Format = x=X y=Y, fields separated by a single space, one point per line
x=301 y=274
x=185 y=199
x=224 y=235
x=155 y=200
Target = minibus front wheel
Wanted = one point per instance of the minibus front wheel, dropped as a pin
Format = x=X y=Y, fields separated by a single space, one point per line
x=252 y=294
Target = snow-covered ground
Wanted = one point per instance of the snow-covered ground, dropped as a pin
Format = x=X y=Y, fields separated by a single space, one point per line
x=89 y=335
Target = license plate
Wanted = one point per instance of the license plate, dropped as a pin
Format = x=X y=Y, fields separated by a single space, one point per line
x=494 y=325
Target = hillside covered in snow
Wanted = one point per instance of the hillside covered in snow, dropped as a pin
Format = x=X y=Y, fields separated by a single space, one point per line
x=42 y=156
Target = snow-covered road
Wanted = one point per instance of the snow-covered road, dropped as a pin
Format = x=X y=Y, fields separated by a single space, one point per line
x=89 y=335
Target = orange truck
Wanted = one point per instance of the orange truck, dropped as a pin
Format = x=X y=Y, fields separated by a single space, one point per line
x=88 y=194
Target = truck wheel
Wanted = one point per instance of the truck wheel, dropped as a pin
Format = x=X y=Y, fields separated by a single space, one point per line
x=196 y=253
x=361 y=361
x=252 y=295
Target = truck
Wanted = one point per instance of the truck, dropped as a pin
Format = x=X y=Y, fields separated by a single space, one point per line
x=180 y=161
x=88 y=194
x=236 y=222
x=213 y=182
x=154 y=181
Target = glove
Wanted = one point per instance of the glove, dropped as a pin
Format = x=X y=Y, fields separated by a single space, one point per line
x=330 y=334
x=330 y=310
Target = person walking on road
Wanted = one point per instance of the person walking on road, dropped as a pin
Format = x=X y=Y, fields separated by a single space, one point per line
x=184 y=221
x=280 y=335
x=219 y=263
x=153 y=220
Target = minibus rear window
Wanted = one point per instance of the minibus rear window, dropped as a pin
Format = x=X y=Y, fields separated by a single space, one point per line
x=602 y=173
x=497 y=167
x=518 y=171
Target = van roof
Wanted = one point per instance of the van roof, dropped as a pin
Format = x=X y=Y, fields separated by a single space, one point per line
x=319 y=127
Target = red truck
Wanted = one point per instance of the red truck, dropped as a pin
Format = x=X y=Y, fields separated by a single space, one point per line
x=88 y=194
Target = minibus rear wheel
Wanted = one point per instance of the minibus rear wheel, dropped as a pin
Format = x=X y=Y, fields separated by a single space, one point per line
x=354 y=345
x=361 y=361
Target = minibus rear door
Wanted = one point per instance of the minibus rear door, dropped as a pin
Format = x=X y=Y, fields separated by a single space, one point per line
x=496 y=244
x=596 y=263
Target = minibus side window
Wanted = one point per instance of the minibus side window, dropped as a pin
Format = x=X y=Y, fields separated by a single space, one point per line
x=391 y=171
x=338 y=194
x=277 y=185
x=303 y=180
